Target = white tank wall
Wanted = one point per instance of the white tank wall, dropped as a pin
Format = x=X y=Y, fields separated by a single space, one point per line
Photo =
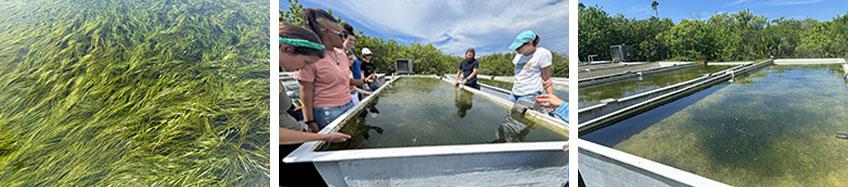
x=519 y=168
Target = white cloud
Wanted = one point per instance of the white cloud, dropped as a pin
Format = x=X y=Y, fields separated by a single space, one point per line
x=793 y=2
x=777 y=2
x=737 y=2
x=454 y=26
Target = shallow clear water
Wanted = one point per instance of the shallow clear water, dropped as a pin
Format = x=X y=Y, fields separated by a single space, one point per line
x=593 y=95
x=134 y=93
x=429 y=111
x=776 y=127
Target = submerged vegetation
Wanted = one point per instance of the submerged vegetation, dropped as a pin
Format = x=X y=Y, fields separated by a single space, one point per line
x=446 y=116
x=774 y=127
x=148 y=93
x=592 y=95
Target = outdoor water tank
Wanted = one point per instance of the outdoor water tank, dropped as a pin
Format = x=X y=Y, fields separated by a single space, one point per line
x=621 y=53
x=403 y=66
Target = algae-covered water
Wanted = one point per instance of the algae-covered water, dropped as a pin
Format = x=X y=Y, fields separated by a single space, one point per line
x=592 y=95
x=776 y=127
x=140 y=93
x=427 y=111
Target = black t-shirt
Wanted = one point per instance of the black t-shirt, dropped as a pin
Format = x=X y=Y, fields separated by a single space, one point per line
x=368 y=68
x=468 y=67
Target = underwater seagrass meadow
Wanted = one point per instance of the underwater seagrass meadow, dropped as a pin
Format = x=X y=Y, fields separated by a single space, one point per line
x=141 y=93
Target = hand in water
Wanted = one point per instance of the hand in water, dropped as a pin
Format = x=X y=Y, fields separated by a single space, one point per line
x=335 y=137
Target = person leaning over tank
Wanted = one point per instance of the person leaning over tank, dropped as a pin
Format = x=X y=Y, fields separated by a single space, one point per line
x=299 y=47
x=532 y=66
x=468 y=69
x=369 y=69
x=325 y=85
x=355 y=68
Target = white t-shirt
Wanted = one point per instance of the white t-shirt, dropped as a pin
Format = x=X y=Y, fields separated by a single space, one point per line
x=528 y=71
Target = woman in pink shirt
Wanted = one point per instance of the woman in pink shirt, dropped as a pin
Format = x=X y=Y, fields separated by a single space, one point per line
x=325 y=85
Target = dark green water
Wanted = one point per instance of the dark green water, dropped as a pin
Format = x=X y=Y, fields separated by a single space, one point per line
x=429 y=111
x=593 y=95
x=776 y=127
x=134 y=93
x=562 y=93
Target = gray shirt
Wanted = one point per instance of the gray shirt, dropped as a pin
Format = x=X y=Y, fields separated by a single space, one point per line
x=287 y=121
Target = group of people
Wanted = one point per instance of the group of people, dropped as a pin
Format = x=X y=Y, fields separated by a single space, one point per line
x=331 y=81
x=532 y=65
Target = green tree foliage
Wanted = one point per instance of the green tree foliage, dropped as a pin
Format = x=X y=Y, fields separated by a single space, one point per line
x=826 y=39
x=500 y=64
x=722 y=37
x=598 y=31
x=560 y=66
x=784 y=35
x=293 y=15
x=427 y=58
x=642 y=35
x=594 y=33
x=496 y=64
x=691 y=39
x=738 y=36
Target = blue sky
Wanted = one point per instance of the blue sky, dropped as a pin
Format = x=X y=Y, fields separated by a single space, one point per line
x=703 y=9
x=453 y=26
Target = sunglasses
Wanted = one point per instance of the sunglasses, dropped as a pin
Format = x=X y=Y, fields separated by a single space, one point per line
x=343 y=34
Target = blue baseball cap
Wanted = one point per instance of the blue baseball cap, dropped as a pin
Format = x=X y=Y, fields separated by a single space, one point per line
x=522 y=38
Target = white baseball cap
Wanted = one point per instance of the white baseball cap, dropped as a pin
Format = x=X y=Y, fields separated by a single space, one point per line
x=366 y=51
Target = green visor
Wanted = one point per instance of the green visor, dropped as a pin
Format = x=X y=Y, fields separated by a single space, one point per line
x=302 y=43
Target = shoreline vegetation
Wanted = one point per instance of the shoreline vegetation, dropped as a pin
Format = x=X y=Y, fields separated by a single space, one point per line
x=740 y=36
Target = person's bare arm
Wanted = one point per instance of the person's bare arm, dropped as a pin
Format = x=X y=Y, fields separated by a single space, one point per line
x=372 y=77
x=288 y=136
x=355 y=82
x=546 y=76
x=307 y=94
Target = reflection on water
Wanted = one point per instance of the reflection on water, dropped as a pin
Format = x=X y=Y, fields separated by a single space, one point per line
x=463 y=101
x=428 y=111
x=514 y=128
x=592 y=95
x=776 y=127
